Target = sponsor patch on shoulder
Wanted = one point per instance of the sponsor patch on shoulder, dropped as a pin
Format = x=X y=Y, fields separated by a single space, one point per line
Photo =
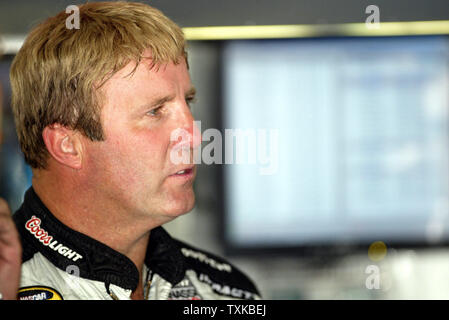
x=39 y=293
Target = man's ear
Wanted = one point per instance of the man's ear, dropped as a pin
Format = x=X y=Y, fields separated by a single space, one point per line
x=64 y=145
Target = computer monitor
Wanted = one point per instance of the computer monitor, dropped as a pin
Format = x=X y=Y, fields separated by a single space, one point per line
x=347 y=143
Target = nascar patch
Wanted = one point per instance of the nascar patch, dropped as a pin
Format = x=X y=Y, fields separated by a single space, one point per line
x=39 y=293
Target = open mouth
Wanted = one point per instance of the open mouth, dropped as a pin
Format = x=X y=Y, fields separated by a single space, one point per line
x=184 y=172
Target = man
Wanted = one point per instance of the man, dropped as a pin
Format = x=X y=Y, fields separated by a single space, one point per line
x=95 y=110
x=10 y=249
x=1 y=112
x=10 y=254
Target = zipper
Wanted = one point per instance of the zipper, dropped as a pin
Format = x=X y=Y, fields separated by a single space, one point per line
x=111 y=294
x=148 y=284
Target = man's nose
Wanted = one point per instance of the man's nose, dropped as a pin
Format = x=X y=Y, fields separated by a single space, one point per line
x=191 y=128
x=196 y=135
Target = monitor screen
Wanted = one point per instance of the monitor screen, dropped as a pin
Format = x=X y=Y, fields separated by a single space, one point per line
x=336 y=140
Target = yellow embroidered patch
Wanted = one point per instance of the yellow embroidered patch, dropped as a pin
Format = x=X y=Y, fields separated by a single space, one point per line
x=39 y=293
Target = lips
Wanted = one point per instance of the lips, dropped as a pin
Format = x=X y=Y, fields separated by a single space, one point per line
x=184 y=172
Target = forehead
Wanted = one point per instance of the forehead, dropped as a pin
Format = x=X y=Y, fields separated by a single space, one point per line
x=146 y=82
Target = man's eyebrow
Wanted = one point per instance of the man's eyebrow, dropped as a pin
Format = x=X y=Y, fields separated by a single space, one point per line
x=162 y=100
x=191 y=92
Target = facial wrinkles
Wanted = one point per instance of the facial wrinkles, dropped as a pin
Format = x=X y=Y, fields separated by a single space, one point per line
x=177 y=113
x=129 y=141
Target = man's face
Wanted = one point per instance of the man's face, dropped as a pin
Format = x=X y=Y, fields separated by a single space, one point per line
x=132 y=167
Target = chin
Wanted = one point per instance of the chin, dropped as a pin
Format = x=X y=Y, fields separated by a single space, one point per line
x=178 y=207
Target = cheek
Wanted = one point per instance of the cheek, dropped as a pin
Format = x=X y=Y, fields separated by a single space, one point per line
x=138 y=151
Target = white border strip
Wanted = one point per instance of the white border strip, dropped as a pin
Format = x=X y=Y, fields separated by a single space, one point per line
x=10 y=44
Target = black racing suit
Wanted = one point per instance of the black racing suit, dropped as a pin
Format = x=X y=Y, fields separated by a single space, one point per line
x=61 y=263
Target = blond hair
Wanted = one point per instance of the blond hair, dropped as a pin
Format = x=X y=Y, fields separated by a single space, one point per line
x=57 y=72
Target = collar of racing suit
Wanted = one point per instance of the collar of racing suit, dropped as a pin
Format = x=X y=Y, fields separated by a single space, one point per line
x=66 y=248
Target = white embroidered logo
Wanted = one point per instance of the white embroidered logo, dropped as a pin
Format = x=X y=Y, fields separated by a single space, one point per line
x=33 y=226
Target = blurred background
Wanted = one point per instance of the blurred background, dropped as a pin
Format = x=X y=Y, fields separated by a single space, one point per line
x=351 y=119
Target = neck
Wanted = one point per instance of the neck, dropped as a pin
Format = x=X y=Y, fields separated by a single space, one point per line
x=83 y=209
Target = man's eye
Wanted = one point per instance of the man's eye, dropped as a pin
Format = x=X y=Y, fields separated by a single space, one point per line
x=190 y=100
x=154 y=112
